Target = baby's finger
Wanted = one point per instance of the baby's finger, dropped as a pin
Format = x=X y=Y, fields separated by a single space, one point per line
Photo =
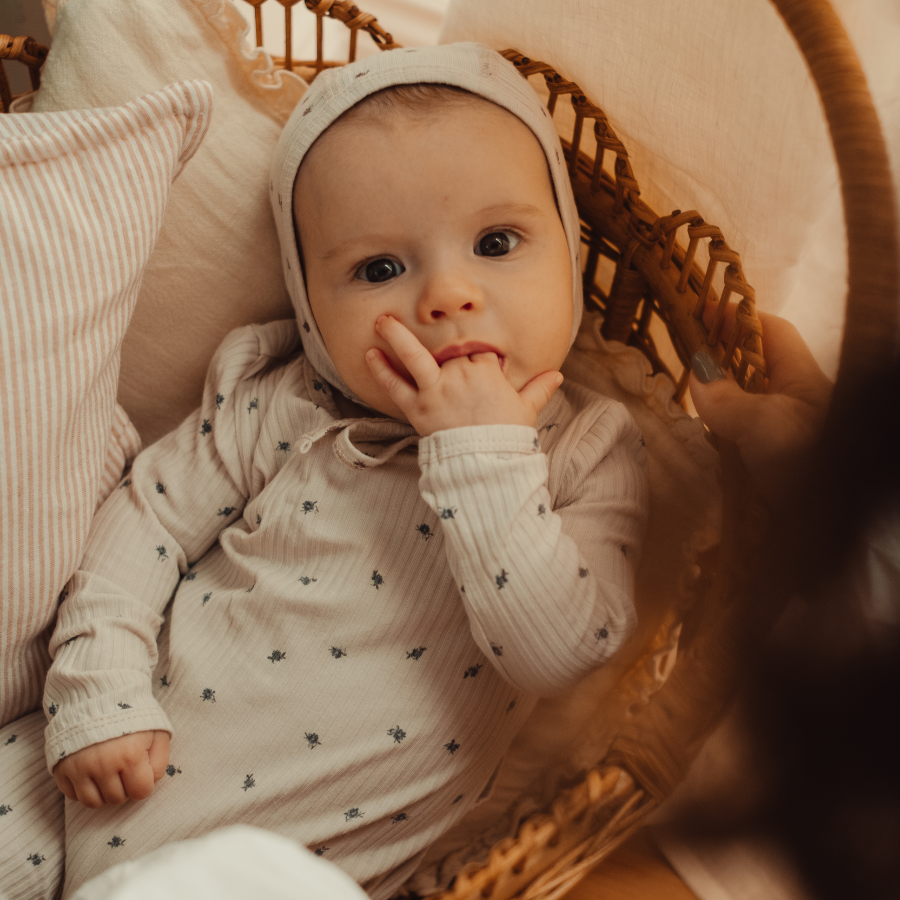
x=111 y=789
x=87 y=793
x=138 y=781
x=159 y=754
x=419 y=362
x=397 y=388
x=64 y=783
x=540 y=389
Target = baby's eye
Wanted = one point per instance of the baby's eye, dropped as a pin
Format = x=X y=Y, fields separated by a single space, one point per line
x=380 y=270
x=497 y=243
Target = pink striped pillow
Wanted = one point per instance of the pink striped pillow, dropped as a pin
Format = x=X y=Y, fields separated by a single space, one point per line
x=82 y=197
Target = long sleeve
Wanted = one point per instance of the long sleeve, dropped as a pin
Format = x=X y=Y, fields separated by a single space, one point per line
x=170 y=509
x=547 y=581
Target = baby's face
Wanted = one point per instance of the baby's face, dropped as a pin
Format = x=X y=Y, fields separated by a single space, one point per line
x=450 y=226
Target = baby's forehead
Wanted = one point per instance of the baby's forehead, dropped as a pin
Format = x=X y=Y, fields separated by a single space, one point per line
x=435 y=111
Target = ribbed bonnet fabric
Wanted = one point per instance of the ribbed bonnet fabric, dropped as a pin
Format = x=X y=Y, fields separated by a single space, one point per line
x=473 y=67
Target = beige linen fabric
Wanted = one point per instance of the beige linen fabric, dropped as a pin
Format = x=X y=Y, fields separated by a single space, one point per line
x=82 y=196
x=216 y=265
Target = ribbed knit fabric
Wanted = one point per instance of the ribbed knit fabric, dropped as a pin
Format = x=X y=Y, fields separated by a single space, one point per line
x=358 y=630
x=82 y=196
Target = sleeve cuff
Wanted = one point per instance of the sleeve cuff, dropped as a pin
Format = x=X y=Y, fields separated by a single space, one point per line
x=508 y=439
x=71 y=739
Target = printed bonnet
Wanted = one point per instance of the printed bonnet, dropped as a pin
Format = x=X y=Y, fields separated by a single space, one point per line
x=473 y=67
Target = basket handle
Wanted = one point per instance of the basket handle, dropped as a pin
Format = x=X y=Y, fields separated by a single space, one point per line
x=870 y=213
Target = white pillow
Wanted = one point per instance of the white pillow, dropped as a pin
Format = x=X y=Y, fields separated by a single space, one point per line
x=217 y=264
x=82 y=197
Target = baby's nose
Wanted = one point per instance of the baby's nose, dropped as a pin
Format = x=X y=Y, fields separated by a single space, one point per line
x=447 y=297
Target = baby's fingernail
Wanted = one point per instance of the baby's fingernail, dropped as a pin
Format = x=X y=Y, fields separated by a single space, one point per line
x=380 y=320
x=706 y=368
x=559 y=379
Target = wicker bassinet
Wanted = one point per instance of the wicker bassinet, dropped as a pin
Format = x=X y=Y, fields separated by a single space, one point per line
x=657 y=279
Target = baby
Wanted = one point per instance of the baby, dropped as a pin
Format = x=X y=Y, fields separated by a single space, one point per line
x=341 y=585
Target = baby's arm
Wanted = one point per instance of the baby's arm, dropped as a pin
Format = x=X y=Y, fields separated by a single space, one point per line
x=548 y=587
x=181 y=493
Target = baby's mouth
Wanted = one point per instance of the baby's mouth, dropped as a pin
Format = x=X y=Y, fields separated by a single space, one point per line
x=455 y=351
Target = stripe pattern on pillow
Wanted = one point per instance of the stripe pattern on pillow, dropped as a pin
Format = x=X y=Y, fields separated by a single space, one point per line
x=82 y=198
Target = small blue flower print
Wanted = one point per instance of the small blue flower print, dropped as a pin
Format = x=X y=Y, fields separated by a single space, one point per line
x=124 y=705
x=305 y=324
x=305 y=580
x=377 y=579
x=116 y=842
x=164 y=681
x=309 y=506
x=36 y=860
x=397 y=733
x=448 y=512
x=353 y=813
x=249 y=782
x=160 y=487
x=424 y=530
x=318 y=386
x=501 y=579
x=542 y=510
x=161 y=551
x=312 y=739
x=601 y=634
x=551 y=425
x=472 y=671
x=226 y=511
x=400 y=817
x=337 y=652
x=4 y=809
x=254 y=404
x=205 y=599
x=452 y=747
x=277 y=656
x=283 y=446
x=497 y=651
x=53 y=709
x=220 y=399
x=319 y=851
x=190 y=576
x=172 y=771
x=205 y=428
x=10 y=740
x=208 y=694
x=536 y=444
x=258 y=519
x=416 y=653
x=125 y=483
x=582 y=573
x=307 y=111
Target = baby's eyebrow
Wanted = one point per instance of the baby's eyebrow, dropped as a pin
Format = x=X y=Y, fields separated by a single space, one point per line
x=520 y=209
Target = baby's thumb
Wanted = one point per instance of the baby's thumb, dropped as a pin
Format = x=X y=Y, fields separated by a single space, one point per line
x=724 y=408
x=540 y=389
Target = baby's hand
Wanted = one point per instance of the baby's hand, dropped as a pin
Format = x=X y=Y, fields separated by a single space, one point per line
x=116 y=770
x=469 y=390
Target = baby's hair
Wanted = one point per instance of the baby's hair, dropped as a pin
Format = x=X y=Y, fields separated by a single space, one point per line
x=422 y=101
